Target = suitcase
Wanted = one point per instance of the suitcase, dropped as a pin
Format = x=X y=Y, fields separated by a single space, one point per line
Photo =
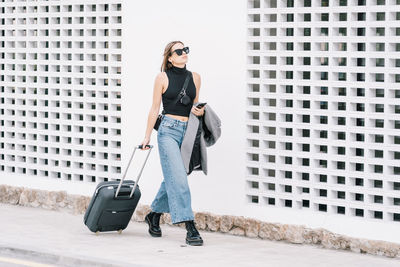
x=113 y=202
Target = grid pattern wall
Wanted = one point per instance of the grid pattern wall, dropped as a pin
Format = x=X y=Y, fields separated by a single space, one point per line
x=323 y=106
x=60 y=89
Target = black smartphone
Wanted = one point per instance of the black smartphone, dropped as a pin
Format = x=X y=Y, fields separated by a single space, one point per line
x=200 y=105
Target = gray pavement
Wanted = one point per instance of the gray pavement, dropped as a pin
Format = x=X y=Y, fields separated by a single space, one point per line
x=38 y=237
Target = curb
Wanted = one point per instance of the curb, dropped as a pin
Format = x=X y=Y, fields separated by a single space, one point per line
x=54 y=259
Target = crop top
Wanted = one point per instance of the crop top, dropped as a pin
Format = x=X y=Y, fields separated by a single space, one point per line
x=176 y=79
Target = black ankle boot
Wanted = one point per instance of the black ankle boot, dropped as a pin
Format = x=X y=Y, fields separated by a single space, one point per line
x=193 y=237
x=153 y=220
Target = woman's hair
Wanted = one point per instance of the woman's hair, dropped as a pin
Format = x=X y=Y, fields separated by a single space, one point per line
x=167 y=52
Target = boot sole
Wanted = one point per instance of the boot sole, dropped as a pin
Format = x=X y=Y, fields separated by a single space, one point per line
x=194 y=242
x=153 y=234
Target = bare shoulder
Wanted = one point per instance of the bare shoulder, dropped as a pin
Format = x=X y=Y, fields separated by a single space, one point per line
x=196 y=79
x=161 y=79
x=161 y=76
x=196 y=76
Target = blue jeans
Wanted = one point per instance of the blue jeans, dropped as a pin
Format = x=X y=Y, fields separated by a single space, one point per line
x=174 y=194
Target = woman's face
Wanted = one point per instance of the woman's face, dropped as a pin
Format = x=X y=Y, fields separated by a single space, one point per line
x=174 y=58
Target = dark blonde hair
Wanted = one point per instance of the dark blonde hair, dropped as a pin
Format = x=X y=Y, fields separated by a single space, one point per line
x=167 y=53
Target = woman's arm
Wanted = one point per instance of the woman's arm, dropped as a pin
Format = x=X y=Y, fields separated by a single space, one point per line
x=197 y=83
x=155 y=108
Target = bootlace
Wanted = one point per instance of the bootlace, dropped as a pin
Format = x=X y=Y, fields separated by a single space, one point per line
x=156 y=219
x=192 y=228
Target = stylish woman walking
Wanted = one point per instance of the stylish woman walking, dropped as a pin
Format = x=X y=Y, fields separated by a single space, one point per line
x=174 y=194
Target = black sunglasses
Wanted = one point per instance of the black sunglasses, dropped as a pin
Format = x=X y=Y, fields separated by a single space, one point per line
x=180 y=50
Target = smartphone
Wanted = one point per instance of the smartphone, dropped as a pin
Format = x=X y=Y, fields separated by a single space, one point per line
x=200 y=105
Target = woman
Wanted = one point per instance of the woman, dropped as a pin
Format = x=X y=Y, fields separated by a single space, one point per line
x=174 y=195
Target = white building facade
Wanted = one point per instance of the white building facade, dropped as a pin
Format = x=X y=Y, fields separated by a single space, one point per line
x=308 y=93
x=323 y=107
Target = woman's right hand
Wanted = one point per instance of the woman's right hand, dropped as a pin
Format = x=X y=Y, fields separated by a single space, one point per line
x=145 y=142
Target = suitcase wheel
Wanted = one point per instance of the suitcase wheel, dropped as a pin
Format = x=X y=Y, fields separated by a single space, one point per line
x=119 y=231
x=97 y=232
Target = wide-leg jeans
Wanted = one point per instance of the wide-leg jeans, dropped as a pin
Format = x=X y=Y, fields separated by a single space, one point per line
x=174 y=194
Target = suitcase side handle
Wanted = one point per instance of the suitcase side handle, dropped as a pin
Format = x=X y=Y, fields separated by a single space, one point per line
x=127 y=167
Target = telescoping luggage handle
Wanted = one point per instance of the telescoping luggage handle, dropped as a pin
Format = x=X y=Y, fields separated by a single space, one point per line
x=140 y=173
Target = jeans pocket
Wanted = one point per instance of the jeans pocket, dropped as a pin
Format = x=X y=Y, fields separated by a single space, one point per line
x=165 y=127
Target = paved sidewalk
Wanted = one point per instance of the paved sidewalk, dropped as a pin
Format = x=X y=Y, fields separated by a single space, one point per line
x=61 y=239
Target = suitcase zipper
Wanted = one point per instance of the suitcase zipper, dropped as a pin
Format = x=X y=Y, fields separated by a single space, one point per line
x=112 y=187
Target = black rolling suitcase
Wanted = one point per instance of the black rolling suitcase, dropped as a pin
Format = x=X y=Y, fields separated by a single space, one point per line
x=113 y=202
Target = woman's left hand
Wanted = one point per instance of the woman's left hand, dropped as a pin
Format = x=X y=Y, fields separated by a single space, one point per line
x=198 y=111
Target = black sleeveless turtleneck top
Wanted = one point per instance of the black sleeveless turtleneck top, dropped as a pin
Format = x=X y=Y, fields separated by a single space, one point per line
x=176 y=79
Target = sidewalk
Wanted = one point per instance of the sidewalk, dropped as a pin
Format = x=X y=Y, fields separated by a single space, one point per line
x=62 y=239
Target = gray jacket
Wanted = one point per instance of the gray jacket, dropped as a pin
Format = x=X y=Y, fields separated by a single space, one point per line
x=213 y=124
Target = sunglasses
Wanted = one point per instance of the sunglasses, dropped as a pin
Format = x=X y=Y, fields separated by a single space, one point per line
x=181 y=50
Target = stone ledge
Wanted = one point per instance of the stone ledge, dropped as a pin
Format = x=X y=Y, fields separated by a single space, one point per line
x=234 y=225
